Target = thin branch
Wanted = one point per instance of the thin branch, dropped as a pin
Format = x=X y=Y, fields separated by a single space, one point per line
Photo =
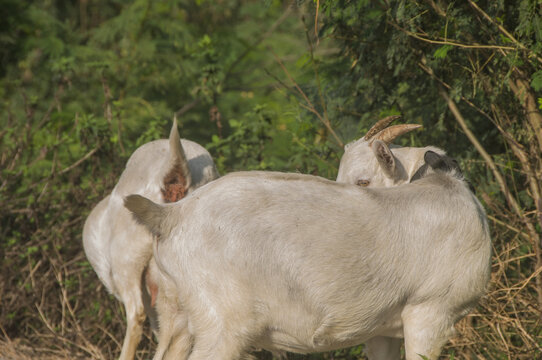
x=521 y=88
x=449 y=42
x=510 y=227
x=502 y=29
x=78 y=162
x=437 y=8
x=487 y=158
x=300 y=143
x=309 y=105
x=186 y=108
x=316 y=74
x=316 y=22
x=533 y=234
x=429 y=71
x=108 y=114
x=503 y=132
x=258 y=41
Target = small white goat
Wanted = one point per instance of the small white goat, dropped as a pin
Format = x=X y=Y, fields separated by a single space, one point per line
x=303 y=264
x=118 y=249
x=370 y=162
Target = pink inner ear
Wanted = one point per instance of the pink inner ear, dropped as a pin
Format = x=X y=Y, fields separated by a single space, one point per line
x=174 y=185
x=385 y=154
x=152 y=287
x=385 y=158
x=390 y=161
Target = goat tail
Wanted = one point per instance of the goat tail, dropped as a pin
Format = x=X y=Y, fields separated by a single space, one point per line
x=177 y=154
x=146 y=212
x=178 y=179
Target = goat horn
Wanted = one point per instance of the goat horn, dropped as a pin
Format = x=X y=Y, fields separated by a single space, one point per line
x=389 y=134
x=380 y=125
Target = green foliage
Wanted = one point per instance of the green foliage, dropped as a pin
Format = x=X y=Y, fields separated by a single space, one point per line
x=536 y=80
x=263 y=140
x=83 y=84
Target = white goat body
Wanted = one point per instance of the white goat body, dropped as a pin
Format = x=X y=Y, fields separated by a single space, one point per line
x=117 y=248
x=366 y=162
x=303 y=264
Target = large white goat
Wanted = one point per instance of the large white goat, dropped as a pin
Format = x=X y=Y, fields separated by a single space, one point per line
x=303 y=264
x=118 y=249
x=367 y=162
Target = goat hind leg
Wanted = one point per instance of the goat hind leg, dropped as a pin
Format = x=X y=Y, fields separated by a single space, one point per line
x=135 y=316
x=178 y=341
x=383 y=348
x=216 y=349
x=174 y=340
x=426 y=330
x=220 y=341
x=179 y=347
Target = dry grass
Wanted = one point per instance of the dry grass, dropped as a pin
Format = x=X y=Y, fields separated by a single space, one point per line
x=20 y=350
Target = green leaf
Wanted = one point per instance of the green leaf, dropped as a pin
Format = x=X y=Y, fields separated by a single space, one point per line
x=536 y=81
x=442 y=51
x=303 y=60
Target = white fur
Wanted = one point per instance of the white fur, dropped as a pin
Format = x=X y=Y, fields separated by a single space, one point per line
x=118 y=249
x=299 y=263
x=362 y=160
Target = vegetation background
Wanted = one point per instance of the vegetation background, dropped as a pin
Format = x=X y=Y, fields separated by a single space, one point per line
x=263 y=84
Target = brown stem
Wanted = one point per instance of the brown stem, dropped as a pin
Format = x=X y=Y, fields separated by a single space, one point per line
x=309 y=105
x=78 y=162
x=437 y=8
x=501 y=29
x=186 y=108
x=108 y=114
x=534 y=237
x=522 y=91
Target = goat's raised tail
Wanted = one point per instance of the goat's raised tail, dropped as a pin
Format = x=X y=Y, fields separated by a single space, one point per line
x=177 y=155
x=146 y=212
x=178 y=180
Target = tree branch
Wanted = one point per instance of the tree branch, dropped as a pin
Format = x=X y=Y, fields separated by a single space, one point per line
x=533 y=234
x=450 y=42
x=309 y=106
x=502 y=29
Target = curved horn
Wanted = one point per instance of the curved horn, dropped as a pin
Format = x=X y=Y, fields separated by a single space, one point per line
x=393 y=132
x=380 y=125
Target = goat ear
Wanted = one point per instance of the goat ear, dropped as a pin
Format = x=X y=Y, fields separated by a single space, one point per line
x=385 y=157
x=145 y=212
x=442 y=162
x=419 y=173
x=433 y=159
